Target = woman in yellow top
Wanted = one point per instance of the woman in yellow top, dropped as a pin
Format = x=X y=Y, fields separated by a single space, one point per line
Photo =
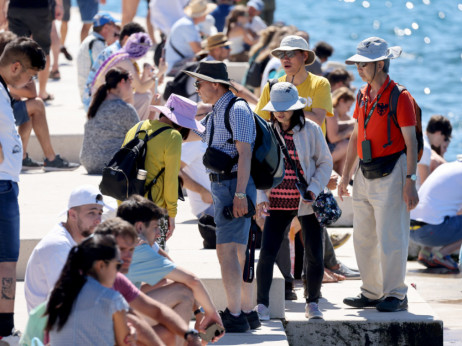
x=164 y=151
x=295 y=54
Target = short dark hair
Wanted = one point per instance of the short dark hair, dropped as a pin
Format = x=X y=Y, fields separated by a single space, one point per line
x=25 y=51
x=438 y=122
x=339 y=75
x=118 y=228
x=129 y=29
x=138 y=208
x=323 y=50
x=5 y=38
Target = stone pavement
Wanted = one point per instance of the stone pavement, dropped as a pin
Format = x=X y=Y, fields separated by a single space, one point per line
x=44 y=195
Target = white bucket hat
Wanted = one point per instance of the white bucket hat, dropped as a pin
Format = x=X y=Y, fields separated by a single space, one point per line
x=293 y=42
x=374 y=49
x=284 y=97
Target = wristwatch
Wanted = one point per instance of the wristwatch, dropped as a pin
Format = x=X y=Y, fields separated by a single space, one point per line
x=191 y=332
x=240 y=195
x=413 y=177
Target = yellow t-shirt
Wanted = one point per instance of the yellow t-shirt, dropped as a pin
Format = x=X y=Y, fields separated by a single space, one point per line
x=164 y=151
x=315 y=89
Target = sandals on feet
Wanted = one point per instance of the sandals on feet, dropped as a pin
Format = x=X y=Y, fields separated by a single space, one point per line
x=54 y=75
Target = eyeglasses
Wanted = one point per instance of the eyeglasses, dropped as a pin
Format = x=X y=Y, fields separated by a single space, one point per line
x=280 y=54
x=361 y=64
x=226 y=47
x=197 y=84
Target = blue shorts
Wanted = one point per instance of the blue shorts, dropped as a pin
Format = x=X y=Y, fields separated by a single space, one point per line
x=88 y=9
x=9 y=221
x=20 y=112
x=235 y=230
x=448 y=232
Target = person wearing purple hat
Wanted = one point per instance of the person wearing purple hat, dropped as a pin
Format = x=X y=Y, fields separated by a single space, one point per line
x=164 y=151
x=384 y=190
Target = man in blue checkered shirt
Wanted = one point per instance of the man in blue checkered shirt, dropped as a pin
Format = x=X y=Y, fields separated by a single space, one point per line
x=230 y=189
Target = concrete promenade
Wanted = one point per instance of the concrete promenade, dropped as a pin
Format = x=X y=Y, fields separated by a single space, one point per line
x=44 y=195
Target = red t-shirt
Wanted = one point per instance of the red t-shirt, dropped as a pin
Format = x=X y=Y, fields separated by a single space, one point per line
x=376 y=130
x=125 y=287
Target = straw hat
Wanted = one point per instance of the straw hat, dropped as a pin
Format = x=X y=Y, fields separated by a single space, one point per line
x=214 y=41
x=374 y=49
x=293 y=42
x=181 y=111
x=284 y=97
x=199 y=8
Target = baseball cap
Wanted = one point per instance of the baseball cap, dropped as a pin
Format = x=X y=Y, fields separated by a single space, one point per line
x=83 y=195
x=103 y=18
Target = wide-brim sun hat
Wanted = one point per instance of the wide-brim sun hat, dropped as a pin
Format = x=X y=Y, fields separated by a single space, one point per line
x=294 y=42
x=214 y=41
x=211 y=71
x=284 y=97
x=181 y=111
x=199 y=8
x=374 y=49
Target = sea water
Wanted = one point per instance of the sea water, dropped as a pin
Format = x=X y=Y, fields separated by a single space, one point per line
x=429 y=31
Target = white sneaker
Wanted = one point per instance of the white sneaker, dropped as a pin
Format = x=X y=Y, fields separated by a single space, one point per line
x=11 y=340
x=312 y=311
x=263 y=312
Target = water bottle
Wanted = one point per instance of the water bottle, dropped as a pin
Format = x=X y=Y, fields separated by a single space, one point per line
x=138 y=187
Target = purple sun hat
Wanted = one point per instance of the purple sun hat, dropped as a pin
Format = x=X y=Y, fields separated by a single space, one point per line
x=181 y=111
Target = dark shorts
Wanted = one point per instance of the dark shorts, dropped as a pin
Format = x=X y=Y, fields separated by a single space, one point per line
x=88 y=9
x=67 y=10
x=9 y=221
x=35 y=22
x=20 y=112
x=331 y=147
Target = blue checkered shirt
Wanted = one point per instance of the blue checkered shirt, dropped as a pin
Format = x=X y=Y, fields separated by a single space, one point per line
x=241 y=121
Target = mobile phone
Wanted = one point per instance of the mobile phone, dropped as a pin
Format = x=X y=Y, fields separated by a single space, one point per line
x=156 y=81
x=367 y=151
x=212 y=331
x=228 y=211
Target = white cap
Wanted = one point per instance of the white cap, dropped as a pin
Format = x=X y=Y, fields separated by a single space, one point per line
x=83 y=195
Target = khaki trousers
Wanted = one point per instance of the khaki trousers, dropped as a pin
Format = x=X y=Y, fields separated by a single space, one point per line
x=381 y=232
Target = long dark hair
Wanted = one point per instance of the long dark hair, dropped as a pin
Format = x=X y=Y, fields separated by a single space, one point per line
x=112 y=78
x=298 y=118
x=73 y=276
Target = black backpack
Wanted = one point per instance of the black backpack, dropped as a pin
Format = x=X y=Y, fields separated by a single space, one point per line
x=120 y=174
x=178 y=84
x=267 y=165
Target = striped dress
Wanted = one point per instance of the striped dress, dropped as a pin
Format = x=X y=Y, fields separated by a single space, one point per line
x=285 y=196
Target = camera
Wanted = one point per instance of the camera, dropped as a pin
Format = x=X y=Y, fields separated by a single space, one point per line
x=228 y=211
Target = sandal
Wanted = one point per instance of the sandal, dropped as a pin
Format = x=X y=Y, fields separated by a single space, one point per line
x=50 y=97
x=54 y=75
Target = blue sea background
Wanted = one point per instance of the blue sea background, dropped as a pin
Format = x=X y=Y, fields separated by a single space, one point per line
x=429 y=31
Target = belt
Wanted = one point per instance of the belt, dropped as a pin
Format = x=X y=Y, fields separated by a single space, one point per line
x=415 y=225
x=215 y=177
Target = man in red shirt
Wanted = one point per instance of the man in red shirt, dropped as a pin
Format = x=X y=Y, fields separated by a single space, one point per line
x=384 y=189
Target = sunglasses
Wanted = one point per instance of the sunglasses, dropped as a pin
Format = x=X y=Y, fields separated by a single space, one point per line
x=281 y=54
x=361 y=64
x=197 y=84
x=118 y=265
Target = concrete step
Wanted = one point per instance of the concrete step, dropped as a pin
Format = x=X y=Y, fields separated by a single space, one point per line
x=348 y=326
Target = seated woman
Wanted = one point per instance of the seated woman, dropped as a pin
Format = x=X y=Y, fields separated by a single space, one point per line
x=338 y=131
x=144 y=82
x=110 y=116
x=83 y=309
x=236 y=21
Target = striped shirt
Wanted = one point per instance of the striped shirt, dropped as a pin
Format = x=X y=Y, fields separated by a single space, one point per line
x=241 y=121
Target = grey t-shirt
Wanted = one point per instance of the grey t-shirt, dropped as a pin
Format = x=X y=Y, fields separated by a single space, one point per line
x=105 y=133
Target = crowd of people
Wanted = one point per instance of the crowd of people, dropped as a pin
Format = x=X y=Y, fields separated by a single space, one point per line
x=94 y=282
